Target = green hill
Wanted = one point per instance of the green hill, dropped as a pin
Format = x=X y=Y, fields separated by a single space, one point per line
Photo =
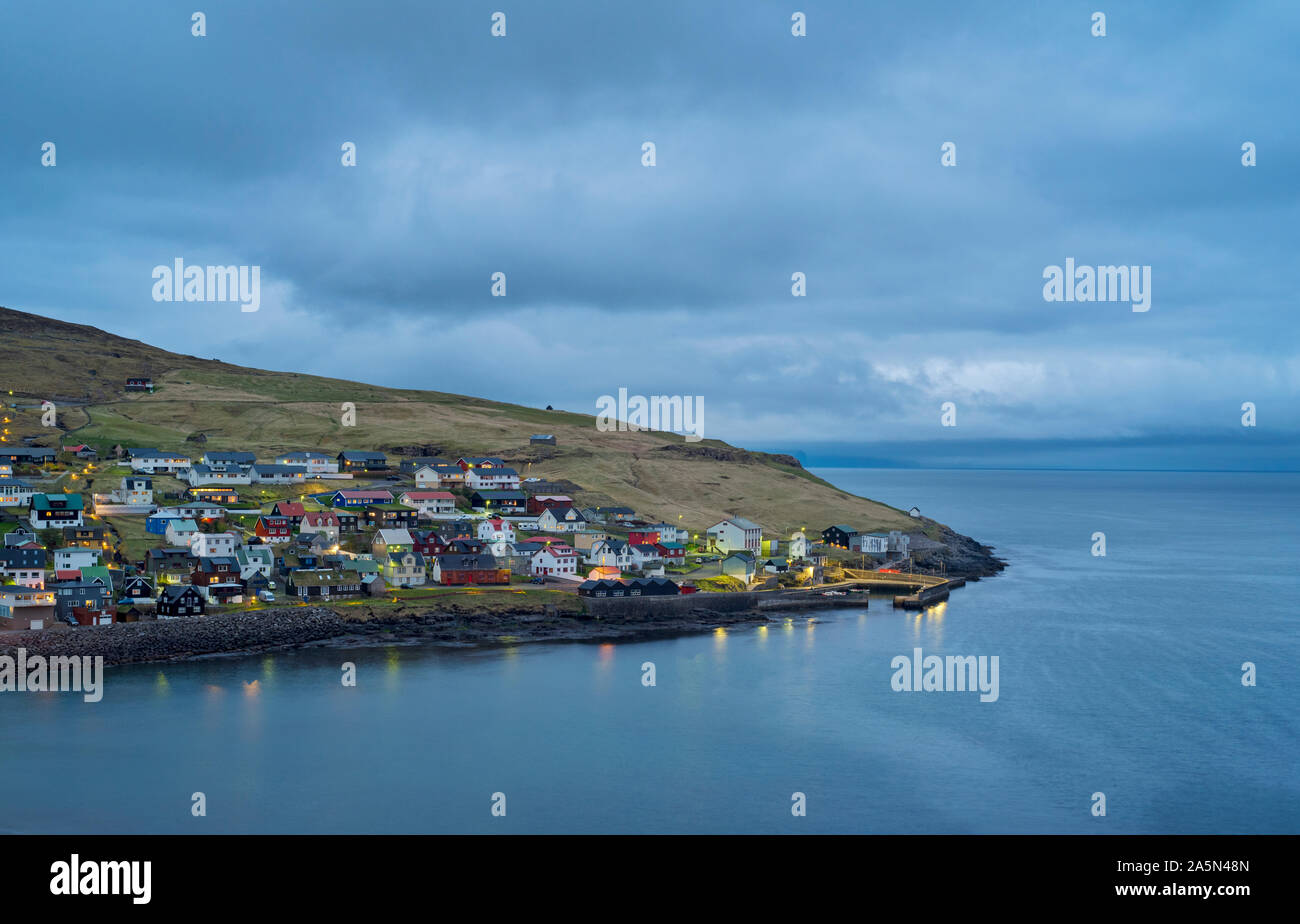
x=84 y=370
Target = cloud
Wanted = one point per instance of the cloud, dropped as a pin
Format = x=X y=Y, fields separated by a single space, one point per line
x=775 y=155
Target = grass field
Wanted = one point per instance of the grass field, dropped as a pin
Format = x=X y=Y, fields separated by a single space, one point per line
x=657 y=474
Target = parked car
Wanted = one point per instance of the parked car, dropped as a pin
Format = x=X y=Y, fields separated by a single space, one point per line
x=266 y=596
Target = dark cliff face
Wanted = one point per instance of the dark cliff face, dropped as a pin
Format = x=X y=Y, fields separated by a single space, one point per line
x=961 y=556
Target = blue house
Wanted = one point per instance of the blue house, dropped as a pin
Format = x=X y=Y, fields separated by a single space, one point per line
x=360 y=498
x=156 y=523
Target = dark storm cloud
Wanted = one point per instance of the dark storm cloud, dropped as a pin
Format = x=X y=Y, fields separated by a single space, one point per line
x=775 y=154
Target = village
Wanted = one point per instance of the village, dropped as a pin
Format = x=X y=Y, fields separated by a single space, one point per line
x=176 y=535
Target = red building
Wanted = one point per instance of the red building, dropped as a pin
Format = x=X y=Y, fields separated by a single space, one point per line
x=469 y=569
x=643 y=537
x=274 y=529
x=539 y=502
x=671 y=551
x=88 y=616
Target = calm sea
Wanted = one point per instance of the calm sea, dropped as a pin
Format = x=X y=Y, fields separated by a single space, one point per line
x=1119 y=675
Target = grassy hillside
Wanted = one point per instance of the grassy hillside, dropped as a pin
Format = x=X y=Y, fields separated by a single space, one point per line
x=267 y=412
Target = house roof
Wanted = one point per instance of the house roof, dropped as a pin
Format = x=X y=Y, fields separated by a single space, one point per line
x=155 y=454
x=325 y=578
x=397 y=557
x=69 y=501
x=468 y=563
x=210 y=565
x=556 y=551
x=395 y=537
x=567 y=514
x=738 y=522
x=275 y=468
x=500 y=495
x=321 y=518
x=183 y=524
x=429 y=495
x=290 y=509
x=172 y=591
x=362 y=455
x=363 y=495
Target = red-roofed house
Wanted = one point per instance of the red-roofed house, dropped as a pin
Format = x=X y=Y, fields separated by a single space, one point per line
x=429 y=501
x=496 y=529
x=273 y=530
x=323 y=522
x=555 y=560
x=293 y=511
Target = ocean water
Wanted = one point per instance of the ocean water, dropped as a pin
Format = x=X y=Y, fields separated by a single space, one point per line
x=1118 y=675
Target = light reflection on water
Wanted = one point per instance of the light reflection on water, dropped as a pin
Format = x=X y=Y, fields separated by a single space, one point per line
x=1149 y=708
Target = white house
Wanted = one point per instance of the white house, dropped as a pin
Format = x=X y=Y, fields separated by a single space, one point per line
x=254 y=560
x=55 y=511
x=15 y=493
x=561 y=520
x=219 y=473
x=153 y=461
x=75 y=559
x=134 y=490
x=496 y=478
x=403 y=567
x=736 y=535
x=669 y=533
x=179 y=531
x=495 y=529
x=320 y=522
x=610 y=553
x=24 y=577
x=426 y=476
x=316 y=463
x=645 y=556
x=429 y=501
x=271 y=473
x=199 y=510
x=221 y=457
x=555 y=560
x=799 y=545
x=25 y=607
x=210 y=545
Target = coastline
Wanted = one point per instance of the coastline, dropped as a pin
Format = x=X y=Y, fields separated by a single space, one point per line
x=252 y=632
x=279 y=630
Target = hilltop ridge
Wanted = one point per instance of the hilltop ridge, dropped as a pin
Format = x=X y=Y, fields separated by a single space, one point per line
x=212 y=404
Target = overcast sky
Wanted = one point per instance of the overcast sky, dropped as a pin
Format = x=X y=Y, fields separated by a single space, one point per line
x=775 y=155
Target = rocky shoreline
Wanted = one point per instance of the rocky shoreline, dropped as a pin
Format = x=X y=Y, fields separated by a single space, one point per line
x=270 y=630
x=300 y=627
